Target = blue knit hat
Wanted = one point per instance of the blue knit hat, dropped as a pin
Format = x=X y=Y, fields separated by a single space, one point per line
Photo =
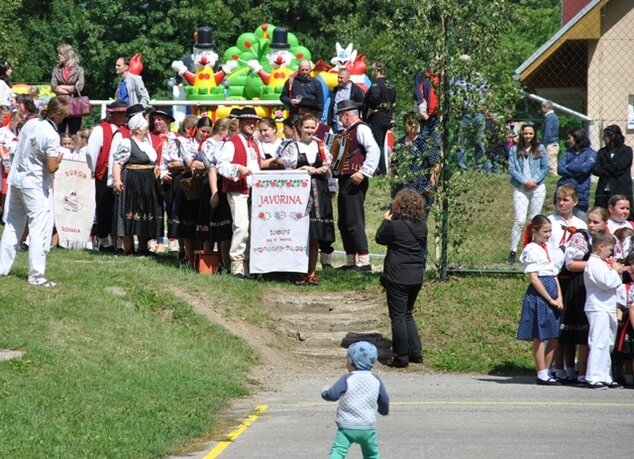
x=362 y=355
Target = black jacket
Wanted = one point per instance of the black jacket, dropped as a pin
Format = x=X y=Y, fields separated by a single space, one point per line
x=614 y=174
x=406 y=249
x=356 y=94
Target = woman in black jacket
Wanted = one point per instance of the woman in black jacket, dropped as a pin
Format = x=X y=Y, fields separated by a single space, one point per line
x=613 y=167
x=405 y=234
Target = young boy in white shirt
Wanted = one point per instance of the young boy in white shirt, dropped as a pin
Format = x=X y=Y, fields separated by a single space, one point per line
x=602 y=279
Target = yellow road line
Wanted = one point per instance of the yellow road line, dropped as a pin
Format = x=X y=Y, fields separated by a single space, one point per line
x=472 y=402
x=231 y=436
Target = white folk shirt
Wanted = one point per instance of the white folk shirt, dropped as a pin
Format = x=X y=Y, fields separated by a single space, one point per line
x=372 y=150
x=37 y=141
x=95 y=142
x=601 y=283
x=543 y=261
x=559 y=236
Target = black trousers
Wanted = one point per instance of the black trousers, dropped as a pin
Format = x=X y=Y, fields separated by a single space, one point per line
x=104 y=206
x=400 y=302
x=380 y=122
x=351 y=221
x=72 y=124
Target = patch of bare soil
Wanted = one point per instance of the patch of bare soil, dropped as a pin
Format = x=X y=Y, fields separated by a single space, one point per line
x=308 y=332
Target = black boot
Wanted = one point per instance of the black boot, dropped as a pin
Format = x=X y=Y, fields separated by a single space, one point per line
x=511 y=259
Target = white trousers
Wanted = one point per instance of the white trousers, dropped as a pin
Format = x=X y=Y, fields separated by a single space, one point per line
x=30 y=206
x=526 y=204
x=600 y=341
x=239 y=205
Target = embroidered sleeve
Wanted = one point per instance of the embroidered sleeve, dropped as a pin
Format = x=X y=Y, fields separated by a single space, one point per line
x=289 y=155
x=208 y=150
x=123 y=152
x=532 y=258
x=576 y=250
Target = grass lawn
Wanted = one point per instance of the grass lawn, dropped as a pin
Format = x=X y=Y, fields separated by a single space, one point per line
x=117 y=365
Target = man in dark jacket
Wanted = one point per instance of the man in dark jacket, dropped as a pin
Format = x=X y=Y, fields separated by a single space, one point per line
x=299 y=86
x=380 y=101
x=345 y=90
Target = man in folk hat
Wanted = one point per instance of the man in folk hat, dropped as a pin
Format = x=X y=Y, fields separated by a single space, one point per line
x=131 y=89
x=299 y=86
x=239 y=158
x=357 y=167
x=346 y=89
x=102 y=143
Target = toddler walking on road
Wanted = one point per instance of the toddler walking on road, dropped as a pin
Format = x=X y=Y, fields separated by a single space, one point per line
x=360 y=394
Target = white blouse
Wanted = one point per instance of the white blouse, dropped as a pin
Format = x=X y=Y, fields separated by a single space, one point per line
x=124 y=150
x=543 y=261
x=290 y=154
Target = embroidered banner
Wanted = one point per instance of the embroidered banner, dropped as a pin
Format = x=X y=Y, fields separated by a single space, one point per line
x=279 y=222
x=74 y=203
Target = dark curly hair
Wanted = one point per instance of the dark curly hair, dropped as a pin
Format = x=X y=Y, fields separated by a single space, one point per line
x=408 y=205
x=614 y=135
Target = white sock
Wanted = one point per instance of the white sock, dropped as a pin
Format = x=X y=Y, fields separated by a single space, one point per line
x=543 y=375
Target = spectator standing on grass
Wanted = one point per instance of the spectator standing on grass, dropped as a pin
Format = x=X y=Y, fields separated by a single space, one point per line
x=575 y=168
x=405 y=233
x=345 y=90
x=528 y=167
x=360 y=393
x=539 y=321
x=67 y=79
x=550 y=135
x=613 y=167
x=415 y=164
x=427 y=105
x=37 y=157
x=379 y=105
x=302 y=85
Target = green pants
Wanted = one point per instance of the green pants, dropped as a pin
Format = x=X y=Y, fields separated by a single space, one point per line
x=367 y=439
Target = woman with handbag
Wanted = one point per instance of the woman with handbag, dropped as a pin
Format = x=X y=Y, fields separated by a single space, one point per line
x=67 y=80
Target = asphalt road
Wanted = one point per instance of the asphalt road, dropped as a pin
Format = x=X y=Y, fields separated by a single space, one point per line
x=443 y=416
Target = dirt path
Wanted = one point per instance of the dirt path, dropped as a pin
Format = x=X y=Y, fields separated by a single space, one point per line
x=307 y=331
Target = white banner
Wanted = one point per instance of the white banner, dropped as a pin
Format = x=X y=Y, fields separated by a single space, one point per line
x=74 y=203
x=279 y=222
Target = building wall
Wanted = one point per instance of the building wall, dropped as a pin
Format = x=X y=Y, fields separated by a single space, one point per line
x=611 y=69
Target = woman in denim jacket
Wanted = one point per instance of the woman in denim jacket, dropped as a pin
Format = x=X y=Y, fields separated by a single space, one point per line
x=528 y=166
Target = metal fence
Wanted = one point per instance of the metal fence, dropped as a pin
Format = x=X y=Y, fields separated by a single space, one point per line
x=585 y=70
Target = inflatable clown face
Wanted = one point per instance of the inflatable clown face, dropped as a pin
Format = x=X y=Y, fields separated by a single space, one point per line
x=280 y=58
x=344 y=58
x=204 y=58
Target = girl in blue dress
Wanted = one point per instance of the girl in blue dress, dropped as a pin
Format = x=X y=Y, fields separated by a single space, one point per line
x=543 y=303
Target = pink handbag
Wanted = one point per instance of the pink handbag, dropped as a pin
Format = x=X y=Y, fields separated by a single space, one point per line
x=79 y=106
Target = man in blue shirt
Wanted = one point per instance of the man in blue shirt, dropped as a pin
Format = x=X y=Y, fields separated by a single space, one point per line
x=550 y=135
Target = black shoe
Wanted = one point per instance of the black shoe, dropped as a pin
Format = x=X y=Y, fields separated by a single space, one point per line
x=109 y=249
x=347 y=267
x=396 y=363
x=418 y=359
x=511 y=259
x=566 y=381
x=548 y=382
x=614 y=385
x=24 y=247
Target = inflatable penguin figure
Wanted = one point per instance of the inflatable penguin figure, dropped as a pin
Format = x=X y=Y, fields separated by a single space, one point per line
x=204 y=80
x=280 y=58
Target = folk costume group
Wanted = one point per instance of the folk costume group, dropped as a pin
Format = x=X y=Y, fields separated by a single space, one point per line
x=141 y=169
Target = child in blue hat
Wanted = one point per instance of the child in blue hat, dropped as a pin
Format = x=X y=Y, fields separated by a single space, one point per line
x=360 y=393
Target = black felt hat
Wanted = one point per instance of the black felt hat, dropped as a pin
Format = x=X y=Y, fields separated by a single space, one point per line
x=234 y=113
x=346 y=105
x=156 y=113
x=248 y=113
x=117 y=106
x=134 y=109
